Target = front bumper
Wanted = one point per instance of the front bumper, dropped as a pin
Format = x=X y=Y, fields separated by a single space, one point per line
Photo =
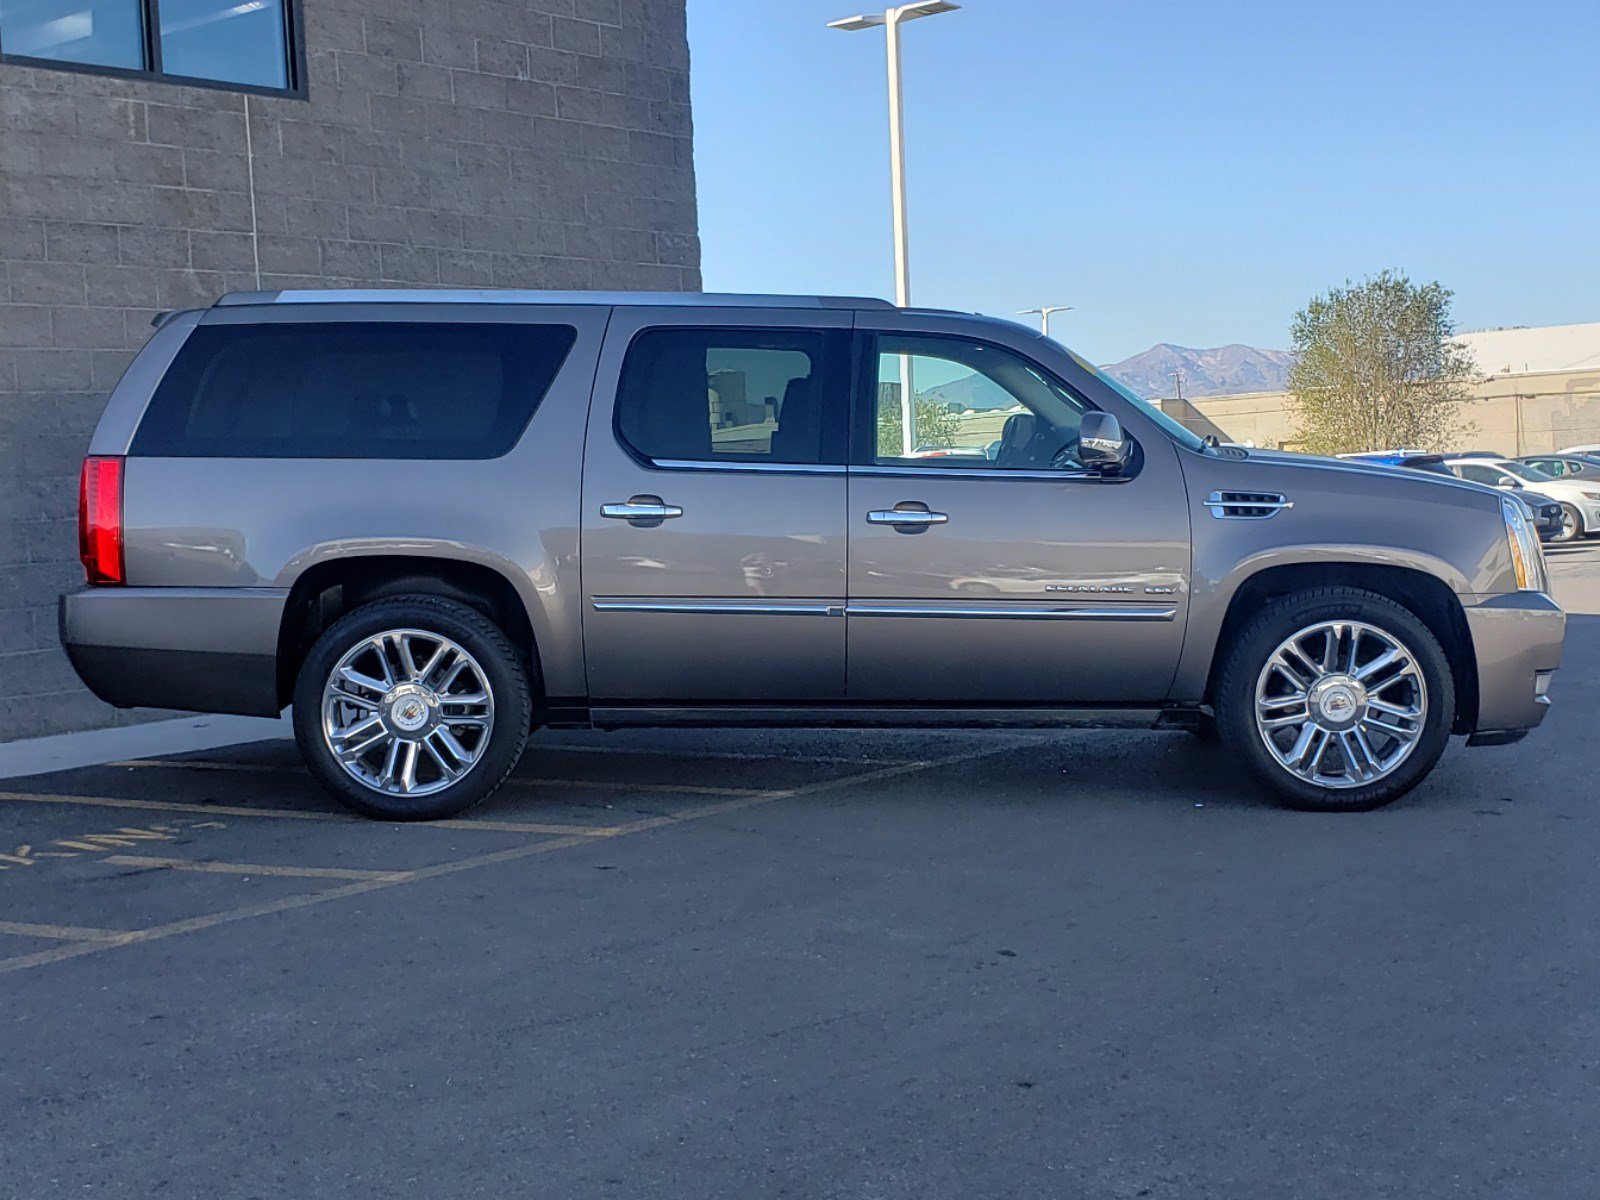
x=1517 y=640
x=197 y=649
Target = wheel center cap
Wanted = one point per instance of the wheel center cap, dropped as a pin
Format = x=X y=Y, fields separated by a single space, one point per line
x=1338 y=702
x=410 y=708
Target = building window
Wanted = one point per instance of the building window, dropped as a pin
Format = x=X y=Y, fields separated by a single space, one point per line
x=246 y=44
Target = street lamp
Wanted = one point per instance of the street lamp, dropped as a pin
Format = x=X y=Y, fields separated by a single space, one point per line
x=890 y=19
x=1043 y=314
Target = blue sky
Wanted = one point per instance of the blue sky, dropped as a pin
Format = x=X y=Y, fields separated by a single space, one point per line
x=1180 y=172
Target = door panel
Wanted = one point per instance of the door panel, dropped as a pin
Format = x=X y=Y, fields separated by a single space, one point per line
x=723 y=578
x=1038 y=585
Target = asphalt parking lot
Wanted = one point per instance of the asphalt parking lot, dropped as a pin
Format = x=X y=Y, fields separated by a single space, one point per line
x=812 y=965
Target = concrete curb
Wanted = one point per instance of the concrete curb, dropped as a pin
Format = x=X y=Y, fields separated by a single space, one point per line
x=63 y=752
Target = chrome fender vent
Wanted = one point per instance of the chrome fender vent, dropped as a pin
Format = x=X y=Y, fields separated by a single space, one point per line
x=1247 y=506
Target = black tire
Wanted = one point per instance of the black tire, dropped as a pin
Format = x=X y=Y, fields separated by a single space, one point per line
x=1571 y=526
x=1235 y=697
x=501 y=663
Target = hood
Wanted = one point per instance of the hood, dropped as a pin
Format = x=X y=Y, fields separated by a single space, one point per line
x=1354 y=470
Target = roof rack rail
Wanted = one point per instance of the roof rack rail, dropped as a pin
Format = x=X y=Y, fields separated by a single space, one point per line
x=514 y=296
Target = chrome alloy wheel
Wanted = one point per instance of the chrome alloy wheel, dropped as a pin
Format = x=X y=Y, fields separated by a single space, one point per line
x=1341 y=704
x=407 y=712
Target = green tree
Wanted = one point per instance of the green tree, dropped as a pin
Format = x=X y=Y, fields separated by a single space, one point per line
x=935 y=424
x=1378 y=367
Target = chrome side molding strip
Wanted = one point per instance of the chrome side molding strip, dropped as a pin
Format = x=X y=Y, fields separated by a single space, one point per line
x=821 y=608
x=738 y=608
x=1014 y=612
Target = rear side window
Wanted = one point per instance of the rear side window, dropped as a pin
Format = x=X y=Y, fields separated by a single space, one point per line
x=735 y=395
x=352 y=390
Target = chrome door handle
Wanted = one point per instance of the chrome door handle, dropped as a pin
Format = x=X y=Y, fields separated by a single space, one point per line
x=641 y=508
x=906 y=516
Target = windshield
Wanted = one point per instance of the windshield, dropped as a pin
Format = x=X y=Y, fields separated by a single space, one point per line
x=1523 y=471
x=1173 y=429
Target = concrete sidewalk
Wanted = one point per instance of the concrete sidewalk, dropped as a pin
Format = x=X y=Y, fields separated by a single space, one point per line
x=40 y=756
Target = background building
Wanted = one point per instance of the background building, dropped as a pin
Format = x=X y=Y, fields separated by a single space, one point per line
x=1540 y=391
x=155 y=156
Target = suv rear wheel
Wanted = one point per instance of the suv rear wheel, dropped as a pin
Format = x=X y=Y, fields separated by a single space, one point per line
x=1338 y=698
x=412 y=708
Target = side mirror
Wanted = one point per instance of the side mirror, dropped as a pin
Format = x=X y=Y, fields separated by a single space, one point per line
x=1512 y=485
x=1102 y=446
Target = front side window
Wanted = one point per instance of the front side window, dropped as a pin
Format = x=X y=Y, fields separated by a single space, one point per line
x=244 y=43
x=733 y=395
x=1480 y=474
x=948 y=402
x=352 y=390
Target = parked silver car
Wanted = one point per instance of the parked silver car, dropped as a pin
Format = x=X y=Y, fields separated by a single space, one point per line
x=1579 y=499
x=433 y=521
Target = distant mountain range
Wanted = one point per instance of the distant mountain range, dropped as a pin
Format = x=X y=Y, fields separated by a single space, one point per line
x=1220 y=372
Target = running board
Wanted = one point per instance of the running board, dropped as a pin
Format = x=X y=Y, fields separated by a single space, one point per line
x=888 y=717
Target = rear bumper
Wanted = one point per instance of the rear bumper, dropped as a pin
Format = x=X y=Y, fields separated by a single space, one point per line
x=197 y=649
x=1517 y=641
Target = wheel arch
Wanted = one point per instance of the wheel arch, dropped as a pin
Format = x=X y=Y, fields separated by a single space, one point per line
x=327 y=590
x=1429 y=598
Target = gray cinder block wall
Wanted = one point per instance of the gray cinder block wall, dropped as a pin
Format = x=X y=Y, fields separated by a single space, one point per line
x=474 y=143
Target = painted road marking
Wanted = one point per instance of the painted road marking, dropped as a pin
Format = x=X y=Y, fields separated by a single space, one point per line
x=69 y=933
x=296 y=814
x=227 y=868
x=194 y=924
x=126 y=837
x=513 y=781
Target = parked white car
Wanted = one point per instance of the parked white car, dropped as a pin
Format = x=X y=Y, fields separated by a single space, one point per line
x=1580 y=502
x=1590 y=448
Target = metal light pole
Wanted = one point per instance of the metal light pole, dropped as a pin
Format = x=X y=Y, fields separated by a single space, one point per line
x=1043 y=313
x=890 y=19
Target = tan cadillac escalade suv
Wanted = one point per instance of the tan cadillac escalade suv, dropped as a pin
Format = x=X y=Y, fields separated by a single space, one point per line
x=434 y=521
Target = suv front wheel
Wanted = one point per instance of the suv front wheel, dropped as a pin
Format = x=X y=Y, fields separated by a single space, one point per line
x=412 y=708
x=1339 y=699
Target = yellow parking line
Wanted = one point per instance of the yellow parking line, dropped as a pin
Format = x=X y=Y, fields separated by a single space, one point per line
x=514 y=781
x=610 y=786
x=297 y=814
x=227 y=868
x=288 y=904
x=598 y=831
x=68 y=933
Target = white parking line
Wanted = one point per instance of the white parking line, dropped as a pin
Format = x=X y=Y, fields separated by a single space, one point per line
x=58 y=954
x=296 y=814
x=69 y=933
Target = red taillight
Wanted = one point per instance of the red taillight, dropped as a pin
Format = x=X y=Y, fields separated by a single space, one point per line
x=100 y=520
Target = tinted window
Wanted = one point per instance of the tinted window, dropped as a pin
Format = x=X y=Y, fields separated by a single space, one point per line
x=732 y=395
x=352 y=390
x=972 y=405
x=103 y=33
x=226 y=40
x=1479 y=474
